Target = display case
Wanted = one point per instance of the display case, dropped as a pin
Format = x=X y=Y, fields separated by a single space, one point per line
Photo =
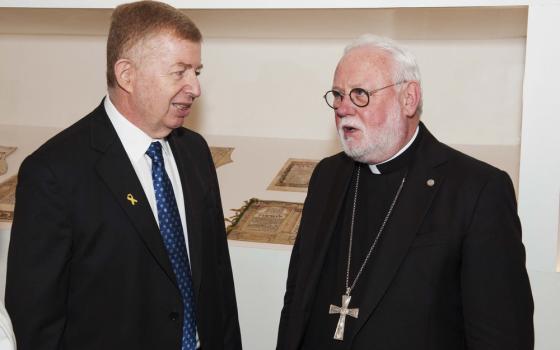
x=488 y=73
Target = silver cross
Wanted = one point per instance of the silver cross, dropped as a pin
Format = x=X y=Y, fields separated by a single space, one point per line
x=344 y=311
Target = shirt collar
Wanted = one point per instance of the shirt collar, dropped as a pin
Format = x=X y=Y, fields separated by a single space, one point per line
x=134 y=140
x=373 y=167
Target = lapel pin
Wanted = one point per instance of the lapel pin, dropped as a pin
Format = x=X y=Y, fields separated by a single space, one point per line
x=131 y=199
x=430 y=182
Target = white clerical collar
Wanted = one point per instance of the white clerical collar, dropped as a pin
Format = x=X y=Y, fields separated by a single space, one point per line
x=373 y=167
x=134 y=140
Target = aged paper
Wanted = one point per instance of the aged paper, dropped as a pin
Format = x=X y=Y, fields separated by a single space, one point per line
x=8 y=198
x=294 y=175
x=221 y=155
x=5 y=151
x=266 y=222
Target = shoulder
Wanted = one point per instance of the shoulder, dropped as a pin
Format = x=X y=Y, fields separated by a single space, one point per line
x=64 y=155
x=327 y=168
x=472 y=182
x=192 y=145
x=70 y=140
x=337 y=160
x=467 y=167
x=189 y=138
x=465 y=178
x=452 y=163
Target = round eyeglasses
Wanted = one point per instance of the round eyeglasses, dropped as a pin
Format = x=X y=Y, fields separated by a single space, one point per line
x=358 y=96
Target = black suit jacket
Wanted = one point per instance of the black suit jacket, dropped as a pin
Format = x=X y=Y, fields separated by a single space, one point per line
x=87 y=269
x=449 y=273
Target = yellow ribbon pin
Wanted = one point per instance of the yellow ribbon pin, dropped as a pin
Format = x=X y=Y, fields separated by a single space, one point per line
x=131 y=199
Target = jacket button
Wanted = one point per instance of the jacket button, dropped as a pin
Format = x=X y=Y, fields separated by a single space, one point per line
x=174 y=316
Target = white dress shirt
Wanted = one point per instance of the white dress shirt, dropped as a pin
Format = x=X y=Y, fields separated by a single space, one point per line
x=136 y=143
x=7 y=338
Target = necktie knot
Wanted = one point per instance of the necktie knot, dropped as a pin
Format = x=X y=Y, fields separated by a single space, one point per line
x=154 y=151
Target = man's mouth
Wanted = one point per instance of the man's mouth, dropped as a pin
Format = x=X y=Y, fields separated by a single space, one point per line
x=182 y=106
x=349 y=129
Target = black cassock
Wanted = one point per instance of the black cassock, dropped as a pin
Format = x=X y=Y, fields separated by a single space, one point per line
x=376 y=192
x=448 y=273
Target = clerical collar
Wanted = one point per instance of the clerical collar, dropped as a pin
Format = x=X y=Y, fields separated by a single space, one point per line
x=399 y=159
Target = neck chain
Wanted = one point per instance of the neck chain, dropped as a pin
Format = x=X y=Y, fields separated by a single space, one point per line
x=350 y=287
x=343 y=310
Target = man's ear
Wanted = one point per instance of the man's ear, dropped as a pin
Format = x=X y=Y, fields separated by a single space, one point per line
x=410 y=98
x=124 y=72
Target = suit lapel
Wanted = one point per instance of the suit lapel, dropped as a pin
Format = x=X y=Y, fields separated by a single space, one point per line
x=422 y=183
x=338 y=186
x=115 y=169
x=193 y=187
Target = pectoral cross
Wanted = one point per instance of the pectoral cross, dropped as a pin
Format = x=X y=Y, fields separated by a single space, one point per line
x=344 y=311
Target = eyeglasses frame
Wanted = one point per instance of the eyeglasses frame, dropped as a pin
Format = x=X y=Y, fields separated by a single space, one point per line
x=369 y=93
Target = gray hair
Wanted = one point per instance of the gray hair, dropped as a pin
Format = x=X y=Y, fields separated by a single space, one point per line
x=406 y=68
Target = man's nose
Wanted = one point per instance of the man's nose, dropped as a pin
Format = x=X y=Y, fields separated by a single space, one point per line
x=192 y=86
x=345 y=108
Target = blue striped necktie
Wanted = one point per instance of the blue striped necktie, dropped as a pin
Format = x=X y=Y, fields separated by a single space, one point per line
x=174 y=239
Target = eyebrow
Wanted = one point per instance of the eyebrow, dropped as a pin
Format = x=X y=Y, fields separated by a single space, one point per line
x=354 y=86
x=187 y=66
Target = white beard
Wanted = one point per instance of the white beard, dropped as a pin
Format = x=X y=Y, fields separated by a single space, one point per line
x=376 y=145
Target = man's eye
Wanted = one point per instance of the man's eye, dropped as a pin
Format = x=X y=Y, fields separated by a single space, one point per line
x=179 y=73
x=197 y=72
x=359 y=92
x=336 y=94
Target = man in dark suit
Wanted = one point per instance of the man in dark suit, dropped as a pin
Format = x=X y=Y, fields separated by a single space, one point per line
x=118 y=239
x=404 y=242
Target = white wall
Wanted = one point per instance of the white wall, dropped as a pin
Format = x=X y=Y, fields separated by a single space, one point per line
x=265 y=72
x=50 y=80
x=539 y=190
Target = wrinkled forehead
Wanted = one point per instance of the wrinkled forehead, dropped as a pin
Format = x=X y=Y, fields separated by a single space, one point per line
x=165 y=45
x=364 y=64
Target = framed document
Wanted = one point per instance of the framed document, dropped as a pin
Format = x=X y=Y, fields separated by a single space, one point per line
x=265 y=222
x=8 y=198
x=294 y=175
x=221 y=155
x=5 y=151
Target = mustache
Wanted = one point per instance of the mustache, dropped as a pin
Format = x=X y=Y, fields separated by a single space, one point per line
x=347 y=123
